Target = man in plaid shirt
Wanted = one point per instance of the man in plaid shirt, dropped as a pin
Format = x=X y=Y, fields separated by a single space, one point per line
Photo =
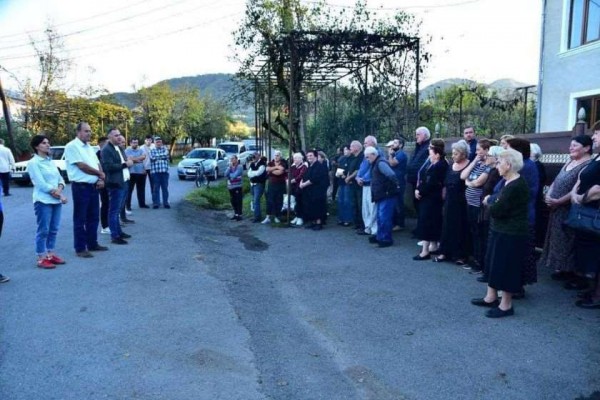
x=159 y=169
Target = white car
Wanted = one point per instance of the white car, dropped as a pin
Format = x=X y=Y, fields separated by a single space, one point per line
x=214 y=161
x=20 y=175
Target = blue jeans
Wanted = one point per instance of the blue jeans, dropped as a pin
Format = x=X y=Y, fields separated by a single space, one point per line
x=160 y=183
x=116 y=197
x=86 y=215
x=345 y=205
x=257 y=191
x=48 y=222
x=385 y=213
x=399 y=213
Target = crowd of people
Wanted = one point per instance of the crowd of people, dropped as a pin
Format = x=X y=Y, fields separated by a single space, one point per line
x=483 y=210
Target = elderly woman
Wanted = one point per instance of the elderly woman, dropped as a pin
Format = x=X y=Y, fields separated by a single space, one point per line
x=507 y=245
x=384 y=190
x=297 y=170
x=559 y=245
x=587 y=259
x=234 y=184
x=475 y=176
x=48 y=199
x=454 y=233
x=430 y=184
x=276 y=171
x=314 y=186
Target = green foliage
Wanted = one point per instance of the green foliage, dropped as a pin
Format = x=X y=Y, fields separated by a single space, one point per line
x=215 y=197
x=22 y=138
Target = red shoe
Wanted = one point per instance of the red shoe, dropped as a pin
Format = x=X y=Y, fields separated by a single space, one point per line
x=45 y=264
x=54 y=259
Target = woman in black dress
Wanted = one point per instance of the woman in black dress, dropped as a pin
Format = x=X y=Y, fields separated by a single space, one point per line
x=507 y=243
x=314 y=191
x=430 y=184
x=453 y=246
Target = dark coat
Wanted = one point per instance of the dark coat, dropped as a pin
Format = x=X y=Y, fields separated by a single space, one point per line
x=416 y=162
x=113 y=167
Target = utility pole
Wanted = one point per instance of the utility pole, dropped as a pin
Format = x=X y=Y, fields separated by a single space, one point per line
x=6 y=111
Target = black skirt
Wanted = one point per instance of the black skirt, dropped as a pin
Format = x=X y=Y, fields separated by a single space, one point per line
x=505 y=258
x=587 y=256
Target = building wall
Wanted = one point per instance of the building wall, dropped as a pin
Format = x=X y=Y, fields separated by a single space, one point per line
x=565 y=74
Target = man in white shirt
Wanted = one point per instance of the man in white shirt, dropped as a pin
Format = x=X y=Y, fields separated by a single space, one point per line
x=7 y=163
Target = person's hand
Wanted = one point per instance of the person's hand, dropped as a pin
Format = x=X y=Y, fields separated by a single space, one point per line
x=129 y=162
x=100 y=184
x=101 y=176
x=417 y=195
x=576 y=198
x=63 y=200
x=485 y=200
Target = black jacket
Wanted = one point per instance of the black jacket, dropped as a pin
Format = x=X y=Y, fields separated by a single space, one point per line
x=416 y=161
x=113 y=167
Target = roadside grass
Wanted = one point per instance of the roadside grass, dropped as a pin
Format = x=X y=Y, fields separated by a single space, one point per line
x=216 y=197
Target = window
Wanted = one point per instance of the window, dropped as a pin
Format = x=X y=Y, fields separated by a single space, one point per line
x=591 y=105
x=585 y=22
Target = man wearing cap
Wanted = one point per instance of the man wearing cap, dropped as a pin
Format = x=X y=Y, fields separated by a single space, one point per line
x=86 y=176
x=398 y=161
x=159 y=171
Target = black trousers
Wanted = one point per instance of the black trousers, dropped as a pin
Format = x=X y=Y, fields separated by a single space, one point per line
x=137 y=181
x=104 y=208
x=5 y=177
x=149 y=175
x=236 y=197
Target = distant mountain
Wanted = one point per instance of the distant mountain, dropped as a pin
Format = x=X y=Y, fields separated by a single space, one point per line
x=502 y=85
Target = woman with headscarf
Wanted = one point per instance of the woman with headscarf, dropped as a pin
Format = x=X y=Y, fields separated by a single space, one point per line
x=314 y=186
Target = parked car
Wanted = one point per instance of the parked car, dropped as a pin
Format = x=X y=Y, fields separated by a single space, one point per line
x=232 y=147
x=20 y=175
x=214 y=161
x=245 y=158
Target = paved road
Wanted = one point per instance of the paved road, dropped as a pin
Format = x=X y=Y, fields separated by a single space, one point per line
x=199 y=307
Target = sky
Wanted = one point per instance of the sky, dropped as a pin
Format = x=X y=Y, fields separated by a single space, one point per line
x=122 y=44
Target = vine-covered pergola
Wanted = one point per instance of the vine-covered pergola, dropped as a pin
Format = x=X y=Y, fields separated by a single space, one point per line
x=303 y=62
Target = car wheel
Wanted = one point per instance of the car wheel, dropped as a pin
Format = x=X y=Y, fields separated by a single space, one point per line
x=215 y=174
x=181 y=177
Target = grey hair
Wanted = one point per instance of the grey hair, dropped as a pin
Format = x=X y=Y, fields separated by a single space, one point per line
x=514 y=158
x=371 y=150
x=425 y=131
x=297 y=155
x=276 y=153
x=462 y=147
x=536 y=151
x=356 y=143
x=495 y=150
x=372 y=139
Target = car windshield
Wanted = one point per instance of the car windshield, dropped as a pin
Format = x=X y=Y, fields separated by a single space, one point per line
x=57 y=153
x=201 y=154
x=229 y=148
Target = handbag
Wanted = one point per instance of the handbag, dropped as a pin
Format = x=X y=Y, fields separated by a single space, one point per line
x=584 y=219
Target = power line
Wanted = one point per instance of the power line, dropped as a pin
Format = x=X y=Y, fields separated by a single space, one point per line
x=421 y=6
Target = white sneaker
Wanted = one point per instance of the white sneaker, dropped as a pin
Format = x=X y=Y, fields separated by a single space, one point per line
x=299 y=222
x=294 y=221
x=105 y=231
x=128 y=212
x=276 y=220
x=420 y=243
x=266 y=220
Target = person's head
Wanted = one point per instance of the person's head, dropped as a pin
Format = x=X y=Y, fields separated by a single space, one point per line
x=134 y=143
x=311 y=156
x=122 y=141
x=355 y=147
x=84 y=132
x=460 y=151
x=102 y=141
x=277 y=156
x=371 y=154
x=492 y=156
x=520 y=145
x=346 y=150
x=580 y=146
x=158 y=142
x=114 y=136
x=398 y=144
x=535 y=151
x=233 y=160
x=504 y=140
x=297 y=157
x=422 y=134
x=322 y=156
x=509 y=162
x=436 y=149
x=483 y=145
x=370 y=141
x=149 y=140
x=469 y=133
x=40 y=145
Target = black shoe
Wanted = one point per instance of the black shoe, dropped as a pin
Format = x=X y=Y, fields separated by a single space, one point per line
x=419 y=258
x=309 y=226
x=167 y=206
x=238 y=218
x=589 y=303
x=361 y=232
x=118 y=241
x=577 y=284
x=124 y=235
x=498 y=313
x=482 y=303
x=98 y=248
x=561 y=276
x=4 y=278
x=144 y=206
x=317 y=227
x=439 y=259
x=155 y=207
x=373 y=239
x=482 y=279
x=127 y=221
x=233 y=218
x=384 y=244
x=256 y=221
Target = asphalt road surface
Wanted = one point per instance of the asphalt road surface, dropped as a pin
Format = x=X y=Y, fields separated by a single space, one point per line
x=200 y=307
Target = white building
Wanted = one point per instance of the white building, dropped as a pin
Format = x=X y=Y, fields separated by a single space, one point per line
x=569 y=65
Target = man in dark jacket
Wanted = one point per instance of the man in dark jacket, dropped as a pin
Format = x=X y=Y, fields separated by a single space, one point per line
x=419 y=157
x=384 y=192
x=116 y=169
